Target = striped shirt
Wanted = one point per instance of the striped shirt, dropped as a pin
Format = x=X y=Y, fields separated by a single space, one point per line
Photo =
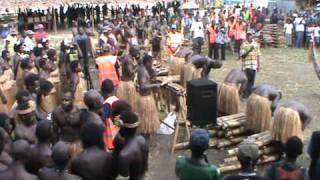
x=251 y=60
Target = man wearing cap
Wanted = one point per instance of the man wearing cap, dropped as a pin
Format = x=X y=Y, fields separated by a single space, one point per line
x=248 y=156
x=250 y=55
x=197 y=166
x=28 y=41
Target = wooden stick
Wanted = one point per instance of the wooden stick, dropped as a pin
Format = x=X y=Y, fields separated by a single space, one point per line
x=183 y=145
x=237 y=131
x=233 y=141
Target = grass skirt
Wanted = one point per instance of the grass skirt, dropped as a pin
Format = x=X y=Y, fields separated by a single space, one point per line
x=127 y=91
x=189 y=72
x=258 y=113
x=176 y=65
x=287 y=123
x=228 y=99
x=148 y=115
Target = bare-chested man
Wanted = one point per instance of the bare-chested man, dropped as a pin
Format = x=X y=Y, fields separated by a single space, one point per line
x=260 y=107
x=126 y=89
x=290 y=119
x=132 y=158
x=32 y=84
x=66 y=122
x=146 y=106
x=7 y=126
x=20 y=151
x=5 y=159
x=94 y=162
x=40 y=153
x=230 y=91
x=197 y=66
x=77 y=82
x=60 y=156
x=44 y=68
x=94 y=101
x=26 y=121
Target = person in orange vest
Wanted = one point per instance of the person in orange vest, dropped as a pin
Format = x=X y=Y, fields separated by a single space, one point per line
x=107 y=65
x=232 y=31
x=240 y=36
x=212 y=36
x=107 y=91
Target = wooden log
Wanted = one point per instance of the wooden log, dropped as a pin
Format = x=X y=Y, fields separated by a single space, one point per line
x=183 y=145
x=230 y=159
x=213 y=132
x=233 y=124
x=229 y=142
x=237 y=131
x=269 y=150
x=231 y=117
x=225 y=168
x=213 y=142
x=255 y=136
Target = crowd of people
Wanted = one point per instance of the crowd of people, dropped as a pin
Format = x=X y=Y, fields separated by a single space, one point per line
x=54 y=124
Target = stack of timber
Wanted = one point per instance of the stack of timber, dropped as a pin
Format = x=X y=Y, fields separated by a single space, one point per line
x=273 y=35
x=229 y=131
x=266 y=149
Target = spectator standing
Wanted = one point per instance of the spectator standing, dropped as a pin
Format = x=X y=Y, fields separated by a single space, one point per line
x=213 y=45
x=299 y=23
x=197 y=29
x=314 y=151
x=223 y=39
x=197 y=166
x=250 y=54
x=316 y=34
x=309 y=32
x=248 y=156
x=288 y=28
x=288 y=169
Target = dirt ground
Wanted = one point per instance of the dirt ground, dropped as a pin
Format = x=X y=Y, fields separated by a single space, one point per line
x=287 y=69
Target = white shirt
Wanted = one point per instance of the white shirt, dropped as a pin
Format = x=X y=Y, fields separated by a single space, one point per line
x=197 y=29
x=299 y=22
x=29 y=44
x=288 y=28
x=316 y=31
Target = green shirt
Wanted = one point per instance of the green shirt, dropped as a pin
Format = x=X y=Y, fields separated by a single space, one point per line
x=185 y=170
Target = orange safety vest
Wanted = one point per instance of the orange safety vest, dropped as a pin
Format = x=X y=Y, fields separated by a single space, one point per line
x=212 y=34
x=107 y=70
x=111 y=130
x=232 y=31
x=240 y=31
